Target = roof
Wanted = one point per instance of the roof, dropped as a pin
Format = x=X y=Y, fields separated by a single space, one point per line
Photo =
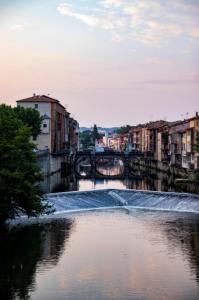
x=150 y=125
x=40 y=99
x=135 y=129
x=157 y=124
x=194 y=118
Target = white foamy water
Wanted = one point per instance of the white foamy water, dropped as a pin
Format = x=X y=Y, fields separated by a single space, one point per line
x=86 y=200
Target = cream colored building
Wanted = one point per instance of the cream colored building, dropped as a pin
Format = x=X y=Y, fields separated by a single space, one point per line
x=54 y=128
x=190 y=159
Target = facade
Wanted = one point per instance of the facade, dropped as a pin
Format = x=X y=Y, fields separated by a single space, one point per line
x=147 y=138
x=170 y=143
x=163 y=144
x=190 y=159
x=176 y=131
x=154 y=138
x=182 y=140
x=114 y=142
x=57 y=128
x=135 y=138
x=73 y=136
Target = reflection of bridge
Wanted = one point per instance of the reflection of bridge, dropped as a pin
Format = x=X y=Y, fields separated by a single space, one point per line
x=93 y=159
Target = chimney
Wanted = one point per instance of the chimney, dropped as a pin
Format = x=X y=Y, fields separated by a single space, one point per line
x=34 y=95
x=197 y=114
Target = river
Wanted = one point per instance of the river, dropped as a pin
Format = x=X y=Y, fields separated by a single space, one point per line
x=142 y=179
x=105 y=241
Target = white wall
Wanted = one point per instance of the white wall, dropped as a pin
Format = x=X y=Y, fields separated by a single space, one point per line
x=43 y=108
x=44 y=139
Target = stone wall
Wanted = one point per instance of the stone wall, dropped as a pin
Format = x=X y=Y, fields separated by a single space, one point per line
x=55 y=169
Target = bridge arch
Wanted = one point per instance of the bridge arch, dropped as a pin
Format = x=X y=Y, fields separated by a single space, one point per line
x=91 y=161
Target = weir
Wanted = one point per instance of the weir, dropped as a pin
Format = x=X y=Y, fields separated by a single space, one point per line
x=113 y=198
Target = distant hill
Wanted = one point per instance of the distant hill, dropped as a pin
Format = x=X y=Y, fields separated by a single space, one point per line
x=109 y=129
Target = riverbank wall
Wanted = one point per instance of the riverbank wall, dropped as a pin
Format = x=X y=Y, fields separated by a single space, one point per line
x=56 y=170
x=165 y=168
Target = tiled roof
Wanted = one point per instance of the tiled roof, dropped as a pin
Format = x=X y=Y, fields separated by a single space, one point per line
x=39 y=98
x=156 y=124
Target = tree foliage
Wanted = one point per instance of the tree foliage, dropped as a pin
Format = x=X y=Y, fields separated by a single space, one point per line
x=95 y=134
x=30 y=117
x=19 y=172
x=86 y=139
x=123 y=129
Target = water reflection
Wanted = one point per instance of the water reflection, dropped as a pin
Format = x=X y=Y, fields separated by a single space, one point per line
x=110 y=255
x=138 y=178
x=25 y=250
x=83 y=166
x=58 y=183
x=110 y=166
x=183 y=233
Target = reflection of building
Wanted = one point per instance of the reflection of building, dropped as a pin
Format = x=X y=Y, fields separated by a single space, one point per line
x=183 y=234
x=59 y=131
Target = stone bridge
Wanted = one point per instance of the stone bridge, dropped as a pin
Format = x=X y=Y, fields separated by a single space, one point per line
x=93 y=159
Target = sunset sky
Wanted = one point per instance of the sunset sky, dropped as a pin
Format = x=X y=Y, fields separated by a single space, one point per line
x=110 y=62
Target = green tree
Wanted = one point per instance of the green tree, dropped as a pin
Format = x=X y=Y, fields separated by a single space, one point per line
x=123 y=129
x=19 y=172
x=30 y=117
x=95 y=134
x=86 y=139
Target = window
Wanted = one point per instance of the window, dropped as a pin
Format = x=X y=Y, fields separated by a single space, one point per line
x=44 y=125
x=36 y=106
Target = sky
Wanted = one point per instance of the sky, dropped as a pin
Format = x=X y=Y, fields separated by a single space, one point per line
x=110 y=62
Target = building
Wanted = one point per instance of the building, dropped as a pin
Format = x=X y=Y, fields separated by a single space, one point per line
x=165 y=143
x=176 y=131
x=147 y=138
x=135 y=138
x=190 y=159
x=73 y=136
x=182 y=140
x=113 y=142
x=57 y=128
x=154 y=138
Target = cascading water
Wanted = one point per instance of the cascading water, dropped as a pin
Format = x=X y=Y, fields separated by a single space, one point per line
x=121 y=200
x=75 y=201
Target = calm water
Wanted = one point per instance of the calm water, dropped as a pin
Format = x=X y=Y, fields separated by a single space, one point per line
x=113 y=254
x=121 y=253
x=141 y=180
